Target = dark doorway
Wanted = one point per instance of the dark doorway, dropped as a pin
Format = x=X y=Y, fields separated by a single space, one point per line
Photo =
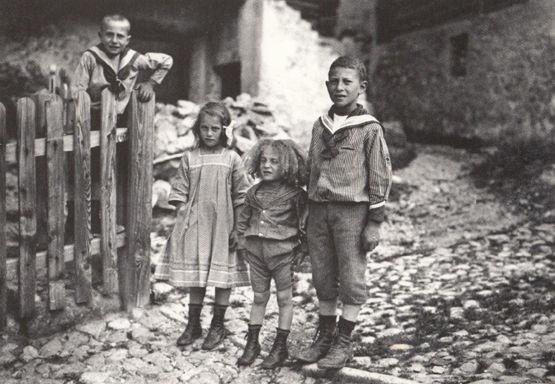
x=230 y=77
x=176 y=83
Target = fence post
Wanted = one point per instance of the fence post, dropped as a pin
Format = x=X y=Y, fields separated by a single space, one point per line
x=3 y=250
x=56 y=191
x=82 y=198
x=139 y=210
x=108 y=191
x=27 y=198
x=40 y=100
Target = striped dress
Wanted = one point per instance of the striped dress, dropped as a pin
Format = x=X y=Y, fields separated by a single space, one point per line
x=197 y=253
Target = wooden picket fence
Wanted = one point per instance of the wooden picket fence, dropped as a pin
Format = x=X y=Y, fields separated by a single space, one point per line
x=48 y=127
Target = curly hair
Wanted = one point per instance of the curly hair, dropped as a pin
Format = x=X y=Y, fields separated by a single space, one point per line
x=292 y=160
x=215 y=109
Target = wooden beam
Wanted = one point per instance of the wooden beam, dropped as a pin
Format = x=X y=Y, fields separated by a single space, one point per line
x=3 y=266
x=136 y=269
x=27 y=203
x=82 y=198
x=40 y=144
x=41 y=257
x=108 y=191
x=55 y=194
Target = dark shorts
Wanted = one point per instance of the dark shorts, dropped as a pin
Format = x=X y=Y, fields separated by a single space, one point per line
x=334 y=245
x=264 y=266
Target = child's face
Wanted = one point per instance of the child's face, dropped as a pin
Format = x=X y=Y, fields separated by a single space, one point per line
x=270 y=167
x=210 y=130
x=344 y=87
x=114 y=36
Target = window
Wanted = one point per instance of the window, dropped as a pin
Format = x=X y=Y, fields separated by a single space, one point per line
x=230 y=76
x=459 y=54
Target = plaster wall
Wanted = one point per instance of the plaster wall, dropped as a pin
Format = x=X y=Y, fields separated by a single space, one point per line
x=294 y=68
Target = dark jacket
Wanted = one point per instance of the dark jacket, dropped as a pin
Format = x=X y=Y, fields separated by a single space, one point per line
x=281 y=218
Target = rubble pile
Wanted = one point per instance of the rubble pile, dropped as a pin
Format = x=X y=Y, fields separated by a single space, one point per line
x=252 y=120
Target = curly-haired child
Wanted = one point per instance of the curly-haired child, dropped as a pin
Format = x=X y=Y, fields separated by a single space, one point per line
x=271 y=232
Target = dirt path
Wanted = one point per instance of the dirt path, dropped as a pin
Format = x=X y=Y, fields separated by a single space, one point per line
x=461 y=291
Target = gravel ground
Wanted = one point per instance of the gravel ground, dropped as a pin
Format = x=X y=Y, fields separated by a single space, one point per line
x=461 y=291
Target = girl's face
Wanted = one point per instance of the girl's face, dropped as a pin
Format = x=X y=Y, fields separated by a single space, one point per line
x=270 y=168
x=210 y=130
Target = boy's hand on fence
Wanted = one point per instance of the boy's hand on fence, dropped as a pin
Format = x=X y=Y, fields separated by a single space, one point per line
x=145 y=91
x=370 y=236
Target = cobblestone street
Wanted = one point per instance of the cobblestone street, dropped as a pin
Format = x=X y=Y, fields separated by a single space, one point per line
x=461 y=291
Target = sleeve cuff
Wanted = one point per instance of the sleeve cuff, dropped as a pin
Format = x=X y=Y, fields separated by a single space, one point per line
x=376 y=214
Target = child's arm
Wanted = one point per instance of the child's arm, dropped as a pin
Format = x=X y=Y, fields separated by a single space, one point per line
x=179 y=195
x=82 y=74
x=239 y=187
x=242 y=222
x=378 y=167
x=159 y=64
x=302 y=216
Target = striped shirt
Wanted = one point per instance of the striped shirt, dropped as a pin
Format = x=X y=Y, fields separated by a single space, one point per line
x=351 y=164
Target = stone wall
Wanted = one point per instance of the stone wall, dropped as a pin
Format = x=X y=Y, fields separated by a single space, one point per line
x=294 y=67
x=508 y=90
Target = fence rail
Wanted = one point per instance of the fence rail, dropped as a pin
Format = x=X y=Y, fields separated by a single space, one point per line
x=52 y=134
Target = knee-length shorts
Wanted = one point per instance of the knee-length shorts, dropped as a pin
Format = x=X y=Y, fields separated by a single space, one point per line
x=334 y=244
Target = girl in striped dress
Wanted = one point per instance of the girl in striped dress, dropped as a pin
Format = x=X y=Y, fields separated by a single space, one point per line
x=208 y=192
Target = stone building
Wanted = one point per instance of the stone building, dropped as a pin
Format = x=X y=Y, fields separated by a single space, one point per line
x=220 y=48
x=460 y=72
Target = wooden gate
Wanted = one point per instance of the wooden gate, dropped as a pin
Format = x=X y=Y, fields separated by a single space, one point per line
x=55 y=135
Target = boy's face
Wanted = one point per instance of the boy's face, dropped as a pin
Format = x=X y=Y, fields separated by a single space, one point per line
x=344 y=87
x=114 y=36
x=270 y=167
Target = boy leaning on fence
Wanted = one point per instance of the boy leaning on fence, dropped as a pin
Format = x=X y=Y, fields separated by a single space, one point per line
x=112 y=64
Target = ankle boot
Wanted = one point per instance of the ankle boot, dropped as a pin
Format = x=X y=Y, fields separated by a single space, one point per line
x=193 y=330
x=252 y=349
x=217 y=332
x=278 y=354
x=321 y=343
x=341 y=351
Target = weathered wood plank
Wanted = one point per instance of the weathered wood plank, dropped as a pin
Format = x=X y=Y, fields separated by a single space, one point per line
x=41 y=259
x=82 y=198
x=40 y=144
x=27 y=198
x=3 y=266
x=40 y=100
x=55 y=193
x=139 y=210
x=108 y=191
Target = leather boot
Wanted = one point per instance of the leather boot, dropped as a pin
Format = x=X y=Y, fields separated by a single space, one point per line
x=217 y=332
x=321 y=343
x=193 y=330
x=278 y=354
x=341 y=351
x=252 y=349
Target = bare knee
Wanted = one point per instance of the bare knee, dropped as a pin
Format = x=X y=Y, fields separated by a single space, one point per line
x=261 y=298
x=285 y=298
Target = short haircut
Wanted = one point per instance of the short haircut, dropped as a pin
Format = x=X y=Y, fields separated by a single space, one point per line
x=350 y=62
x=218 y=110
x=117 y=18
x=292 y=160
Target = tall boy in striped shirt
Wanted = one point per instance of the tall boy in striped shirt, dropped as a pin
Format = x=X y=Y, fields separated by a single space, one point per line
x=349 y=182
